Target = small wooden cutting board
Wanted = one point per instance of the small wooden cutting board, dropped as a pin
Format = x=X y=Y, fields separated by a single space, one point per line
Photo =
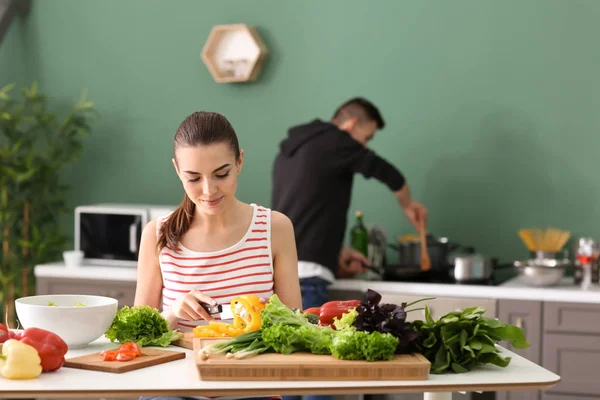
x=148 y=358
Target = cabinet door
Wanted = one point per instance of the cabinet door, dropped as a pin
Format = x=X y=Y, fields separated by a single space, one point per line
x=558 y=396
x=528 y=316
x=572 y=318
x=576 y=359
x=124 y=292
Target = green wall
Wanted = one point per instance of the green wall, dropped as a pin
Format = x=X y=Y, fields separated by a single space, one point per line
x=492 y=106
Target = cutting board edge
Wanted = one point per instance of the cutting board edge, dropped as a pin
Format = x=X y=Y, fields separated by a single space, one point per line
x=187 y=341
x=225 y=370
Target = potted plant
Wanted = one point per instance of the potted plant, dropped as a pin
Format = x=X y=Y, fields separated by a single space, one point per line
x=35 y=145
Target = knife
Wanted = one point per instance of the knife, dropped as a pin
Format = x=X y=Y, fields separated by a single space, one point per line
x=218 y=311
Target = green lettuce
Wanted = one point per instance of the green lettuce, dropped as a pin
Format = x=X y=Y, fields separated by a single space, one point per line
x=143 y=325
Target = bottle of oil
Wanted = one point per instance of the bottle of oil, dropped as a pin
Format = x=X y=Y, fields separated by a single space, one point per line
x=359 y=236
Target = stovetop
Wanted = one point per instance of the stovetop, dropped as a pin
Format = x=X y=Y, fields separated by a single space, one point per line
x=502 y=273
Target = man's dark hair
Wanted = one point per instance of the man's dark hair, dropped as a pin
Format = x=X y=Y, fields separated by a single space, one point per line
x=360 y=108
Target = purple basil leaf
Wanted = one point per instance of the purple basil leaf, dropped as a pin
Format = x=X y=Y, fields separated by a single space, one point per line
x=388 y=307
x=373 y=298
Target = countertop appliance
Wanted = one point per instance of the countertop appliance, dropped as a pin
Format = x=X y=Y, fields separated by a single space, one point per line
x=110 y=234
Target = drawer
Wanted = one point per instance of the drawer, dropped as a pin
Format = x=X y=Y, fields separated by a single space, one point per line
x=576 y=358
x=124 y=292
x=572 y=317
x=558 y=396
x=440 y=305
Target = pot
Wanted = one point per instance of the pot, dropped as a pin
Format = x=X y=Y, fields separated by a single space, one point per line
x=471 y=267
x=409 y=251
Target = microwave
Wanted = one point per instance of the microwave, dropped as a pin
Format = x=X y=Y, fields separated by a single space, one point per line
x=110 y=234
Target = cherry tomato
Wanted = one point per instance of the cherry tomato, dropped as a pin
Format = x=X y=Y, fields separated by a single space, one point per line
x=130 y=347
x=108 y=355
x=125 y=355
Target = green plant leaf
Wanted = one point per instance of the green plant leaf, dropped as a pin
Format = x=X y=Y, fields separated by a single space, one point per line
x=493 y=358
x=5 y=91
x=463 y=338
x=459 y=369
x=428 y=316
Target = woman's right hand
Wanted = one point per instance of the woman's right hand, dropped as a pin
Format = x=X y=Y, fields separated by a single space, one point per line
x=188 y=307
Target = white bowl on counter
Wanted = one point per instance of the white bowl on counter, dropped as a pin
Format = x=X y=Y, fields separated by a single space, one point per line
x=77 y=325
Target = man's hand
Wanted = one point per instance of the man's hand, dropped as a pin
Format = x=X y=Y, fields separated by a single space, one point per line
x=416 y=214
x=352 y=262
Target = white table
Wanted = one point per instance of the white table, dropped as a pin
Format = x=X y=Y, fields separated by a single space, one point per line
x=180 y=378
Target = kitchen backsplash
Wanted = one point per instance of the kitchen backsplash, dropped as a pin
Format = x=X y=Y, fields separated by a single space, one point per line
x=479 y=98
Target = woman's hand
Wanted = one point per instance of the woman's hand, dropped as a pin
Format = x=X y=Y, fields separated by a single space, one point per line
x=188 y=307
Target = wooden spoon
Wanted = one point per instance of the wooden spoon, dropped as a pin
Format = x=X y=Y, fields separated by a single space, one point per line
x=425 y=261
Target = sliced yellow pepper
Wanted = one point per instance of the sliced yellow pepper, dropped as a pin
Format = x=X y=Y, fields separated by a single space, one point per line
x=246 y=312
x=217 y=329
x=246 y=318
x=19 y=360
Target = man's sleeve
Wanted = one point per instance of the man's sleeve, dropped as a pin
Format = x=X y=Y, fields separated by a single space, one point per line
x=360 y=159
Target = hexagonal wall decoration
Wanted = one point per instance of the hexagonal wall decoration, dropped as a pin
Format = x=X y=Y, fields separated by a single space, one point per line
x=234 y=53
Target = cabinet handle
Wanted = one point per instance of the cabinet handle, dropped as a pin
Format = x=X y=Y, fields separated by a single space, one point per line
x=519 y=322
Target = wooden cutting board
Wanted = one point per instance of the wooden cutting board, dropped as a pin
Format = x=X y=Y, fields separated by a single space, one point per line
x=307 y=367
x=148 y=358
x=187 y=341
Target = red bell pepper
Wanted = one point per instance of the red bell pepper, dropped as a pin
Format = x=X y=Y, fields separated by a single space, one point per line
x=50 y=347
x=4 y=333
x=333 y=309
x=314 y=310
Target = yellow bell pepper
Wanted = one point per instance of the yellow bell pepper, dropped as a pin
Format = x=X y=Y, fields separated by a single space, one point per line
x=206 y=331
x=246 y=318
x=217 y=329
x=246 y=312
x=19 y=361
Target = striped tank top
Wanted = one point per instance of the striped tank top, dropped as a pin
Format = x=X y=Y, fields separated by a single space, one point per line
x=244 y=268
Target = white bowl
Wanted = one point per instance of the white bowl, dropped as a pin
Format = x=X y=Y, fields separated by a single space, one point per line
x=76 y=325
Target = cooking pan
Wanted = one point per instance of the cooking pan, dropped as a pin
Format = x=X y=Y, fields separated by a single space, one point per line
x=413 y=273
x=439 y=249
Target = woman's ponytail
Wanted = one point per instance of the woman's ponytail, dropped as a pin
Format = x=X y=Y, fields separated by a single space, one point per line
x=176 y=225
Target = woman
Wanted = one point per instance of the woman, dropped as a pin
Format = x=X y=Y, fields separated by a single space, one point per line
x=213 y=247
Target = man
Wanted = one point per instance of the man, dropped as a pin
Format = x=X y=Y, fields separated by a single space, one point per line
x=312 y=185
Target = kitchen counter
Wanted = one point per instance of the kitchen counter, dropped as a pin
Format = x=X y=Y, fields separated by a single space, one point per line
x=58 y=270
x=180 y=378
x=513 y=289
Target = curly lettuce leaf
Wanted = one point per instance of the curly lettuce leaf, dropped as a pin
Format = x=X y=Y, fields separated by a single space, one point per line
x=143 y=325
x=361 y=345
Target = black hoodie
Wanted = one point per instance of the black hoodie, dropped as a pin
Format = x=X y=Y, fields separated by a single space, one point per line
x=312 y=184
